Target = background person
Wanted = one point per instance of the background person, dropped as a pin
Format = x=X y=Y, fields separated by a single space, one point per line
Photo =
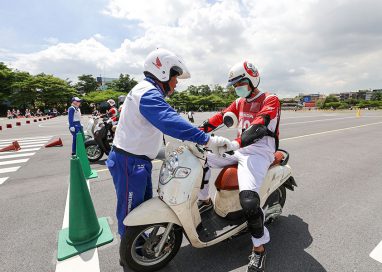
x=74 y=118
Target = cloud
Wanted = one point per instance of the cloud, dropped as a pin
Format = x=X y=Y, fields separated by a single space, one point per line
x=298 y=45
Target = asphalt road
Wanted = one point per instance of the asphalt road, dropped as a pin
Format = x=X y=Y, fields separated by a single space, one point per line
x=331 y=222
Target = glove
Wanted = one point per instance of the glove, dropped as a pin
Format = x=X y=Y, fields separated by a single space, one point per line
x=230 y=146
x=72 y=129
x=217 y=141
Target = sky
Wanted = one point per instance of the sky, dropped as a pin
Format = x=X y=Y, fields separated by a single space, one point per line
x=298 y=46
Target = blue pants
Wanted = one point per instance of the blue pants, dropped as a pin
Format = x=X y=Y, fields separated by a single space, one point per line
x=132 y=182
x=74 y=135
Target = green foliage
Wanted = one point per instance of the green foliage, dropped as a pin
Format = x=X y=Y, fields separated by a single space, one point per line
x=123 y=84
x=101 y=96
x=86 y=84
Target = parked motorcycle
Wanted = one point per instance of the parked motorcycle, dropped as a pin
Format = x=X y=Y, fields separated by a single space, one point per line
x=155 y=228
x=102 y=140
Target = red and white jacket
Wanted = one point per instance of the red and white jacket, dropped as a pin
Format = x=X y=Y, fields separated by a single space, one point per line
x=255 y=110
x=113 y=114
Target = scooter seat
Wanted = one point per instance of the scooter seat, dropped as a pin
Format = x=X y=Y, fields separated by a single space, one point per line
x=227 y=178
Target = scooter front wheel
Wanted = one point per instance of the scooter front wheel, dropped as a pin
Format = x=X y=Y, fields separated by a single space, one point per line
x=140 y=246
x=93 y=151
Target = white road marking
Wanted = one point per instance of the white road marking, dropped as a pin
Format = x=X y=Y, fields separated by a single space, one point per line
x=21 y=150
x=9 y=169
x=2 y=180
x=320 y=120
x=17 y=155
x=307 y=116
x=26 y=141
x=25 y=144
x=29 y=146
x=330 y=131
x=87 y=261
x=13 y=161
x=376 y=254
x=27 y=138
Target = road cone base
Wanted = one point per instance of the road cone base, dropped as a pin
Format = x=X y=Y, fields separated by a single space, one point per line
x=93 y=174
x=66 y=250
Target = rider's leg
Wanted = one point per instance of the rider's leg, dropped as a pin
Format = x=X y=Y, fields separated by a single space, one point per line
x=213 y=161
x=251 y=172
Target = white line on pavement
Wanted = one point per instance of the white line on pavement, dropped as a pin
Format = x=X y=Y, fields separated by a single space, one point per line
x=376 y=254
x=306 y=116
x=21 y=150
x=320 y=120
x=33 y=145
x=330 y=131
x=24 y=144
x=17 y=155
x=27 y=138
x=13 y=161
x=26 y=141
x=9 y=169
x=2 y=180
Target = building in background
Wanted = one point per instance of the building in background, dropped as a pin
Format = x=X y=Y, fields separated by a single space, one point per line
x=103 y=81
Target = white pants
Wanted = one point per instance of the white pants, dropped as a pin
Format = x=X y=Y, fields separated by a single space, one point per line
x=251 y=171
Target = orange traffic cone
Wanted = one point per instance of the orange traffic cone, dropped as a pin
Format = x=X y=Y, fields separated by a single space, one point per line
x=55 y=142
x=14 y=146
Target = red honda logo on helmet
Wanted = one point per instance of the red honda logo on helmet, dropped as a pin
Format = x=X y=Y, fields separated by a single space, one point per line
x=157 y=63
x=250 y=69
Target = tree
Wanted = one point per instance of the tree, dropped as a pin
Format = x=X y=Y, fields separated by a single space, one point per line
x=24 y=92
x=86 y=84
x=123 y=84
x=102 y=96
x=6 y=79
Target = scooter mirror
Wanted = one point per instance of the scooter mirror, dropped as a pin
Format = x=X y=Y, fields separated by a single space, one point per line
x=230 y=120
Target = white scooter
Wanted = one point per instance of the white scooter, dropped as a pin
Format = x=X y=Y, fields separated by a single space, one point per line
x=155 y=228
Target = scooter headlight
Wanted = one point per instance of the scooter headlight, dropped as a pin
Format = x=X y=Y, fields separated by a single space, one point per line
x=167 y=171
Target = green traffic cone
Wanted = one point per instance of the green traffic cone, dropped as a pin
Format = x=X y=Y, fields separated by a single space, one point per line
x=81 y=153
x=85 y=230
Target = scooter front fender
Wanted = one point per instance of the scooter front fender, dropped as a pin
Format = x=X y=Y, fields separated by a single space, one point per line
x=152 y=211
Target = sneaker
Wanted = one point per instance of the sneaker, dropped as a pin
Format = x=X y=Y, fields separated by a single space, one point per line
x=205 y=205
x=257 y=262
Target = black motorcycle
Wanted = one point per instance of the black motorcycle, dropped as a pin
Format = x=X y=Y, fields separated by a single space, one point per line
x=101 y=143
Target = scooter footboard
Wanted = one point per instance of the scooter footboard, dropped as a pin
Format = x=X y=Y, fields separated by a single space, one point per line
x=151 y=211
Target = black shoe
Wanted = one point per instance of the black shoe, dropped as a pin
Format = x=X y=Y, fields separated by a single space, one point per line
x=205 y=205
x=257 y=262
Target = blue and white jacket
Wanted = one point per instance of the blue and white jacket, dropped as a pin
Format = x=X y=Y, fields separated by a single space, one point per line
x=146 y=116
x=74 y=117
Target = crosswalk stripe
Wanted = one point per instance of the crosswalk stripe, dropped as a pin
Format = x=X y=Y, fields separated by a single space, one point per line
x=27 y=138
x=13 y=161
x=29 y=146
x=2 y=180
x=9 y=169
x=17 y=155
x=21 y=150
x=26 y=141
x=24 y=144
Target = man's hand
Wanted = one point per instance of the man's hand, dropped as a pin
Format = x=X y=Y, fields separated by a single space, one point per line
x=230 y=146
x=216 y=142
x=72 y=129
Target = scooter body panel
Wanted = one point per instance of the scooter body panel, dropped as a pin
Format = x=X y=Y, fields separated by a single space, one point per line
x=151 y=211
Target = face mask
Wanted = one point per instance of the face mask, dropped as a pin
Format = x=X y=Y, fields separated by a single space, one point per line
x=242 y=91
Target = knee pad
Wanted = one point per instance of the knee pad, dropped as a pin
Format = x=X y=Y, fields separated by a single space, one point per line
x=250 y=202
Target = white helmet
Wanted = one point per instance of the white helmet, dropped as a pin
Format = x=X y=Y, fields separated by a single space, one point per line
x=163 y=64
x=111 y=102
x=244 y=70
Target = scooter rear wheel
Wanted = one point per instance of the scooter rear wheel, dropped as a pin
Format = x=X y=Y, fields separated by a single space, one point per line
x=138 y=244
